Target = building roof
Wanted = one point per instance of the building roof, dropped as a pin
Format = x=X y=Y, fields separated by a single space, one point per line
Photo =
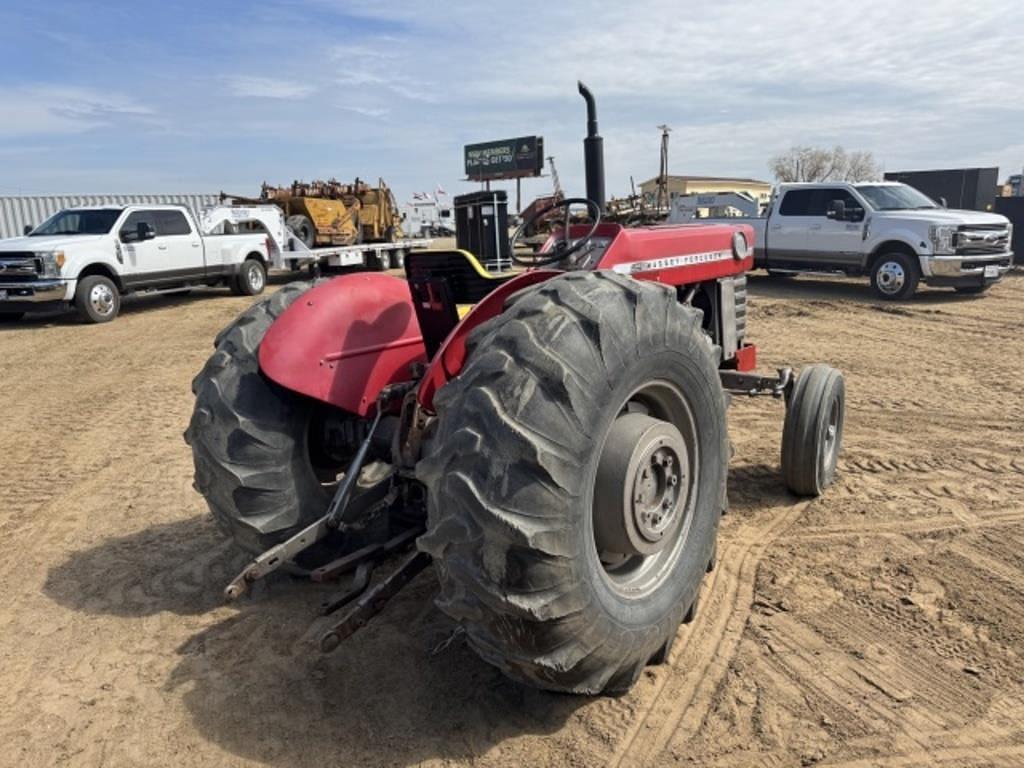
x=717 y=179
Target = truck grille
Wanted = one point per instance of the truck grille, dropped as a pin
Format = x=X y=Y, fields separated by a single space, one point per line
x=18 y=265
x=981 y=239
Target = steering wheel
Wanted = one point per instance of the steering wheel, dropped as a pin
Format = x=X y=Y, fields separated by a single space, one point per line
x=562 y=248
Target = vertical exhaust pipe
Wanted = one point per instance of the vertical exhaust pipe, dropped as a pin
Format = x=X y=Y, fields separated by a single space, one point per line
x=593 y=151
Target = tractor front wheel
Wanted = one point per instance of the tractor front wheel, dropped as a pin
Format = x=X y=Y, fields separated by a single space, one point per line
x=812 y=435
x=575 y=481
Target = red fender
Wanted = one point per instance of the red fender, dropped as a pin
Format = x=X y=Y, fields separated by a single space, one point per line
x=448 y=362
x=344 y=340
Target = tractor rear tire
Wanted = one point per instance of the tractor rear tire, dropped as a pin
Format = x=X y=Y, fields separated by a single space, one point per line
x=249 y=437
x=812 y=435
x=517 y=480
x=303 y=229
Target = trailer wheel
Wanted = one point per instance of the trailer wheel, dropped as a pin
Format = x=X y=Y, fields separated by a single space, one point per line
x=249 y=437
x=575 y=481
x=894 y=276
x=813 y=432
x=303 y=229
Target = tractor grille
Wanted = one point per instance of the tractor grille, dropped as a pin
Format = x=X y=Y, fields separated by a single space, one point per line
x=740 y=297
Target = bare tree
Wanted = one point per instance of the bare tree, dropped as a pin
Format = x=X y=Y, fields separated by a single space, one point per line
x=803 y=163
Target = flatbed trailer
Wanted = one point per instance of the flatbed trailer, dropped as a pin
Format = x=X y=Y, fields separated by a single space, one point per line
x=288 y=252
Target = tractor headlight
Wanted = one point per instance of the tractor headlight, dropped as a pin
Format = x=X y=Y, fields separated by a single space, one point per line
x=739 y=245
x=942 y=237
x=50 y=263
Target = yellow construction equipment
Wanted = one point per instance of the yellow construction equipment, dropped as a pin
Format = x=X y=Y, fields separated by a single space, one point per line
x=332 y=213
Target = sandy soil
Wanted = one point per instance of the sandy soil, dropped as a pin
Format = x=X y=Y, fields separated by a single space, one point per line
x=879 y=625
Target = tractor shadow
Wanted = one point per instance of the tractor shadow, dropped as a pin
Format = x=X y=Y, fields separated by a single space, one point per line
x=405 y=689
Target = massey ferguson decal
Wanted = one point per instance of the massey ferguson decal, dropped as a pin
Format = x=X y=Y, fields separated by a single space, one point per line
x=670 y=262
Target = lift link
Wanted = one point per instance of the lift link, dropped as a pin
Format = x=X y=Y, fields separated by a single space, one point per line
x=287 y=550
x=754 y=385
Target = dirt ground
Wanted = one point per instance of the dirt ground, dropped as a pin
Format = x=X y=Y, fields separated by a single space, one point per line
x=879 y=625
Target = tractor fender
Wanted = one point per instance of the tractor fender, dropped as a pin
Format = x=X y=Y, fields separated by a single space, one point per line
x=448 y=361
x=344 y=340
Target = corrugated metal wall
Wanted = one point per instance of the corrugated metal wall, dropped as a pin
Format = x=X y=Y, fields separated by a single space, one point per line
x=17 y=211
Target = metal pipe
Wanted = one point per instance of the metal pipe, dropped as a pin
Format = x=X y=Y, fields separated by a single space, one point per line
x=593 y=151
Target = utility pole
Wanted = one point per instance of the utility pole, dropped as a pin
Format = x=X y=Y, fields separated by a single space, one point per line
x=662 y=201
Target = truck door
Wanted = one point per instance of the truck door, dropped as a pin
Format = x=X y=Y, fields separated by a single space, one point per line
x=173 y=256
x=138 y=257
x=786 y=241
x=837 y=242
x=180 y=244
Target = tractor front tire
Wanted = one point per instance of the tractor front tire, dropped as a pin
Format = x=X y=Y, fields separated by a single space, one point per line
x=249 y=437
x=543 y=442
x=812 y=435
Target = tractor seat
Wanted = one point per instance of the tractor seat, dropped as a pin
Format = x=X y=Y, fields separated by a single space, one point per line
x=445 y=285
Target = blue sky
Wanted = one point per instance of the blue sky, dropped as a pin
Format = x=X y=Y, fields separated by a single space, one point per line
x=185 y=97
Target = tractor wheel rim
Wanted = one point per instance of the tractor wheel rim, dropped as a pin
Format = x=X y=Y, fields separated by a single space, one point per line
x=832 y=434
x=891 y=277
x=255 y=277
x=646 y=489
x=102 y=299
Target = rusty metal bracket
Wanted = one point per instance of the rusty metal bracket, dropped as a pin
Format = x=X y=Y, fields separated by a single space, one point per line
x=754 y=385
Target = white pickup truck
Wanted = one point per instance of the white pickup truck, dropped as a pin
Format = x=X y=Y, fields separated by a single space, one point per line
x=885 y=230
x=91 y=257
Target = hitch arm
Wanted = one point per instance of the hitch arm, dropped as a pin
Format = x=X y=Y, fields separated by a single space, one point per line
x=278 y=555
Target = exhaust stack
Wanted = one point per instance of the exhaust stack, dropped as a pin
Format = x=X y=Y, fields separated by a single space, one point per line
x=593 y=151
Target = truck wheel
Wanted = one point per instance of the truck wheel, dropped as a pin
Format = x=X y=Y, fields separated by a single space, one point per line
x=303 y=229
x=813 y=432
x=895 y=276
x=251 y=278
x=97 y=299
x=249 y=437
x=575 y=481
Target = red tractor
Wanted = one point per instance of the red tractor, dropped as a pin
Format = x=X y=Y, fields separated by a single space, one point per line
x=553 y=440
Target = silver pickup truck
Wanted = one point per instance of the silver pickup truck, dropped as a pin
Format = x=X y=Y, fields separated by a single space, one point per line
x=888 y=231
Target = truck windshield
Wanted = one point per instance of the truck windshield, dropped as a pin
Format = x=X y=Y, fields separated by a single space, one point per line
x=896 y=197
x=95 y=222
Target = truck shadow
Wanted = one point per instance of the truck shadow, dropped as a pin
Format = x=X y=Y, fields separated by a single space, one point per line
x=845 y=289
x=405 y=689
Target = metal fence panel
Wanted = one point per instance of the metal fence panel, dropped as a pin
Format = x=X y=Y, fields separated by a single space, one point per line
x=17 y=211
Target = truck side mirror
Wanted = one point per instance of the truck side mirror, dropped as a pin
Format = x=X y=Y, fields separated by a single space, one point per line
x=27 y=229
x=836 y=210
x=143 y=231
x=942 y=202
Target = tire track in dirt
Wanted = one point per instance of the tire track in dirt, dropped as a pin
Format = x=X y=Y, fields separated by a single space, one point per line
x=994 y=755
x=717 y=633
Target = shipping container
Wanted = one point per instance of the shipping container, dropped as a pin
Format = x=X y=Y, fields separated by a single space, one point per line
x=972 y=189
x=20 y=211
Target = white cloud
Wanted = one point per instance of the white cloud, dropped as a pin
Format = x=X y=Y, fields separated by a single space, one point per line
x=248 y=86
x=33 y=110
